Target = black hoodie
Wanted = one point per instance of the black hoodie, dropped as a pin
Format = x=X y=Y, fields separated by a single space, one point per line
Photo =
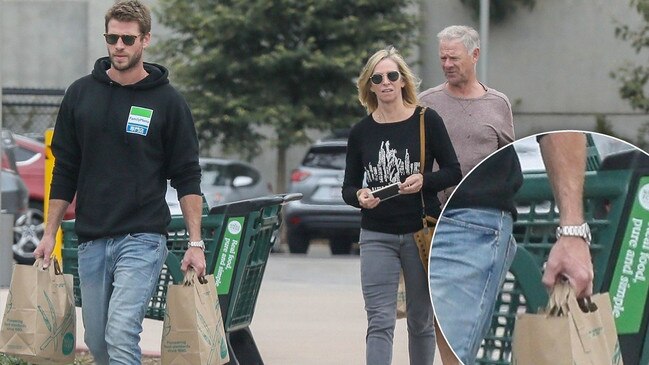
x=116 y=145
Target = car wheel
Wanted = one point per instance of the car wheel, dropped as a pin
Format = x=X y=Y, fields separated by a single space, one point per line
x=298 y=242
x=340 y=246
x=28 y=231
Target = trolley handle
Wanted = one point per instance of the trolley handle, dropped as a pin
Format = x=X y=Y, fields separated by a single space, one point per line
x=291 y=197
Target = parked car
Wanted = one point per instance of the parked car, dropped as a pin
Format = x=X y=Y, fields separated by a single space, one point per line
x=15 y=195
x=224 y=181
x=30 y=161
x=321 y=213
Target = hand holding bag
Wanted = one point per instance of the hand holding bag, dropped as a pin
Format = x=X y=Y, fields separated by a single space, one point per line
x=568 y=332
x=39 y=323
x=424 y=236
x=193 y=331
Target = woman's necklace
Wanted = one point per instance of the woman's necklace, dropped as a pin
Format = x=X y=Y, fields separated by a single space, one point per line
x=383 y=119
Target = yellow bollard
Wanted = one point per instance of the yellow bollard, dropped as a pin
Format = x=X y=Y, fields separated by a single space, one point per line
x=49 y=168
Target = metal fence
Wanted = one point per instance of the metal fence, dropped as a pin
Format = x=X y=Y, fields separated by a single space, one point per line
x=30 y=111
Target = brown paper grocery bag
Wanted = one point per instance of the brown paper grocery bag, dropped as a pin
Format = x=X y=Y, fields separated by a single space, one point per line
x=39 y=323
x=567 y=332
x=603 y=303
x=193 y=331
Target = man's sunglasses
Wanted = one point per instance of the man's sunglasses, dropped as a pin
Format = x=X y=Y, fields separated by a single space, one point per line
x=378 y=78
x=128 y=40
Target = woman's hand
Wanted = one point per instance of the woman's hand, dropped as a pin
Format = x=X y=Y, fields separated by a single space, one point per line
x=366 y=199
x=412 y=184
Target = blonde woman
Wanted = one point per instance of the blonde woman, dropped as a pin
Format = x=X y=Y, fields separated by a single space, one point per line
x=384 y=149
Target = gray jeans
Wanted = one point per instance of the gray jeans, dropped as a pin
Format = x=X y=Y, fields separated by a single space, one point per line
x=383 y=255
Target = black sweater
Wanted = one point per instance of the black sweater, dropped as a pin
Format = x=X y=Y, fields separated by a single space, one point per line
x=387 y=153
x=491 y=184
x=116 y=145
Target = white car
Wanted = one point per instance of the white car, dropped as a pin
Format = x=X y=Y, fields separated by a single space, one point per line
x=224 y=181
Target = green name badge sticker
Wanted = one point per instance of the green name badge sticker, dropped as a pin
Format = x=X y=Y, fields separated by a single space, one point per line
x=139 y=120
x=629 y=285
x=227 y=258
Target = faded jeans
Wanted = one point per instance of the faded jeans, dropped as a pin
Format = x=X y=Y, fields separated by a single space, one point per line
x=382 y=257
x=471 y=253
x=118 y=276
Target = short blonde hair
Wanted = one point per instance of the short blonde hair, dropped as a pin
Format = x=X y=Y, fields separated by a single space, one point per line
x=368 y=98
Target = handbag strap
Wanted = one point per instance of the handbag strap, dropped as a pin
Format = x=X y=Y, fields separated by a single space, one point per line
x=422 y=161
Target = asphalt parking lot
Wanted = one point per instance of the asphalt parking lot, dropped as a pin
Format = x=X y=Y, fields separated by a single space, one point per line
x=310 y=311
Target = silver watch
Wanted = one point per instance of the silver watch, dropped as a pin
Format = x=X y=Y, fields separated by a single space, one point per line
x=582 y=231
x=200 y=244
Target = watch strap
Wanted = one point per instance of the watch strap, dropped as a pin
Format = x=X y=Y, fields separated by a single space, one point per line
x=200 y=244
x=582 y=231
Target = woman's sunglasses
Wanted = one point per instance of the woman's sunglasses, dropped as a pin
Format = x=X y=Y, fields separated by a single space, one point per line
x=378 y=78
x=128 y=40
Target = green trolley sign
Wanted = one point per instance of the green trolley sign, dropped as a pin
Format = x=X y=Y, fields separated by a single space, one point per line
x=629 y=286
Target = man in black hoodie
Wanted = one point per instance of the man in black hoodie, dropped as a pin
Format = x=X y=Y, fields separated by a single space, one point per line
x=121 y=132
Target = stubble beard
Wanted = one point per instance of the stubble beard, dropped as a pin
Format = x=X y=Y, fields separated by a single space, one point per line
x=132 y=61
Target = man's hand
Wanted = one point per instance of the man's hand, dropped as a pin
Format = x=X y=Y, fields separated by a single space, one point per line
x=44 y=250
x=570 y=258
x=194 y=257
x=57 y=208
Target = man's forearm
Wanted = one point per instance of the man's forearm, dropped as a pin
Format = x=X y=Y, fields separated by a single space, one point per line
x=55 y=211
x=192 y=208
x=564 y=156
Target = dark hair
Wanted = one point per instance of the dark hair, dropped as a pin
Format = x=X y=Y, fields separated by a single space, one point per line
x=130 y=11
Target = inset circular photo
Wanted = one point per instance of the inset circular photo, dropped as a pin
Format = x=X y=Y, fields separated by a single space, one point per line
x=541 y=255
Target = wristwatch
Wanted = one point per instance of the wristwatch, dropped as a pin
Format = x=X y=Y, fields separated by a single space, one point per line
x=582 y=231
x=200 y=244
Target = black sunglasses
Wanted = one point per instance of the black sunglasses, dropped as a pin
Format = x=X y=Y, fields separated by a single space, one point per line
x=378 y=78
x=128 y=40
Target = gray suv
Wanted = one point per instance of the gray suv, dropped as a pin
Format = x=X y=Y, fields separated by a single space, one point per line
x=321 y=213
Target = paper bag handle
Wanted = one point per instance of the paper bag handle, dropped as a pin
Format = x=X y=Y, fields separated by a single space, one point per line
x=560 y=297
x=190 y=278
x=56 y=266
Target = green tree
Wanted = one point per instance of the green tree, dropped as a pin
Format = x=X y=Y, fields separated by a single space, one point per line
x=634 y=77
x=286 y=65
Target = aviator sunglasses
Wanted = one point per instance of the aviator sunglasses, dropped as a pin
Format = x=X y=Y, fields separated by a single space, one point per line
x=378 y=78
x=128 y=40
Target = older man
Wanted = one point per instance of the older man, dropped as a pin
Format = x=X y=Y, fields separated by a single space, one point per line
x=478 y=118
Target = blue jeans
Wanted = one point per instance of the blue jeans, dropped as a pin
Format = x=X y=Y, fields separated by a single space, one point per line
x=383 y=256
x=471 y=253
x=118 y=276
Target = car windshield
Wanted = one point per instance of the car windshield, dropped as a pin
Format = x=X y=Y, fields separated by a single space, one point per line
x=215 y=175
x=326 y=157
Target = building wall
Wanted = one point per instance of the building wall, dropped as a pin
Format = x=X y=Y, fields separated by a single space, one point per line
x=40 y=49
x=553 y=62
